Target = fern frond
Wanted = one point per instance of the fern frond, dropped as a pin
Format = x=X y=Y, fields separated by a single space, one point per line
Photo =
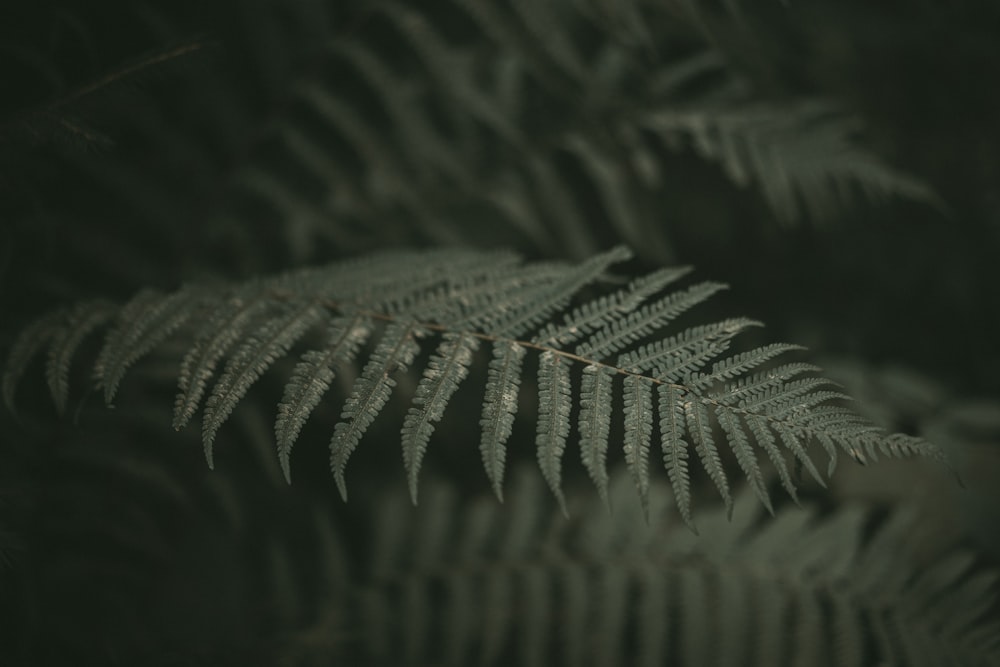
x=143 y=323
x=29 y=343
x=221 y=330
x=640 y=323
x=842 y=588
x=740 y=364
x=677 y=357
x=535 y=309
x=801 y=156
x=467 y=298
x=599 y=313
x=394 y=352
x=311 y=379
x=84 y=319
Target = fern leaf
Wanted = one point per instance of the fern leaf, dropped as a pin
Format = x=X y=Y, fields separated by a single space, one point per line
x=798 y=153
x=466 y=297
x=696 y=415
x=802 y=586
x=791 y=440
x=675 y=358
x=249 y=362
x=638 y=394
x=554 y=404
x=638 y=324
x=81 y=321
x=762 y=434
x=446 y=369
x=600 y=312
x=499 y=406
x=394 y=352
x=792 y=398
x=739 y=364
x=142 y=325
x=595 y=424
x=223 y=328
x=28 y=343
x=675 y=455
x=760 y=388
x=311 y=379
x=740 y=444
x=533 y=312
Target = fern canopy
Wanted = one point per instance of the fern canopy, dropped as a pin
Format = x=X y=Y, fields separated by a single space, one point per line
x=596 y=347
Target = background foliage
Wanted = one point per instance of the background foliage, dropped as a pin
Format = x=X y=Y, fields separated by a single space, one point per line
x=140 y=144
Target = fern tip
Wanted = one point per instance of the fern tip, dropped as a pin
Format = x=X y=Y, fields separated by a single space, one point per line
x=341 y=485
x=498 y=491
x=561 y=499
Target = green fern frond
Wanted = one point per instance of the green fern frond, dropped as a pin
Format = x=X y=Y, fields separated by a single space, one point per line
x=844 y=588
x=441 y=120
x=801 y=156
x=30 y=342
x=143 y=323
x=399 y=300
x=84 y=319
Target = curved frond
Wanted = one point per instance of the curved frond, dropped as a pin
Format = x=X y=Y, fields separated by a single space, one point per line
x=29 y=343
x=619 y=344
x=84 y=319
x=143 y=323
x=447 y=367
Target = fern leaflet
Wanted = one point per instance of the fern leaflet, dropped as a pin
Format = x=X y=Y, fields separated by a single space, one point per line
x=446 y=369
x=311 y=379
x=499 y=407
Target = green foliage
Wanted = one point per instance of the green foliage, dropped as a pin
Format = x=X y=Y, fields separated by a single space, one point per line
x=614 y=345
x=468 y=583
x=300 y=131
